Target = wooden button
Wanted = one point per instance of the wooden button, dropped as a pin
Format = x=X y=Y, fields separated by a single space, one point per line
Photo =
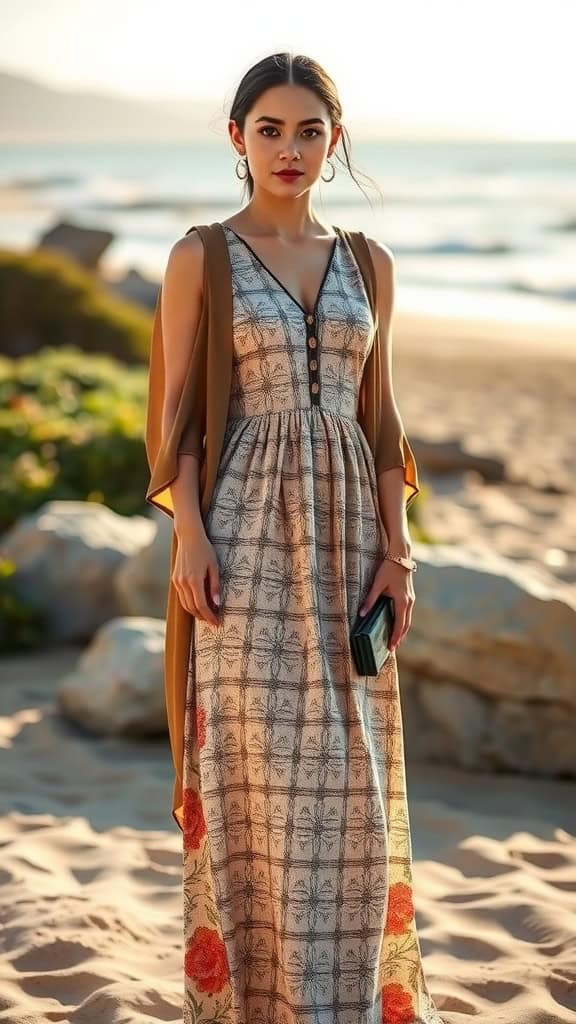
x=313 y=364
x=312 y=342
x=315 y=387
x=309 y=319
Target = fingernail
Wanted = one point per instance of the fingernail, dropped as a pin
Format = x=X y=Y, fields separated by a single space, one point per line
x=362 y=611
x=216 y=598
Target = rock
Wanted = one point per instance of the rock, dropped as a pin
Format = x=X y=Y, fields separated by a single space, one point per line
x=461 y=715
x=451 y=457
x=117 y=686
x=485 y=622
x=135 y=287
x=532 y=737
x=66 y=555
x=84 y=245
x=486 y=669
x=141 y=581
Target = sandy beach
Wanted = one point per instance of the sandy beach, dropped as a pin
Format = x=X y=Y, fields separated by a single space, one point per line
x=506 y=392
x=91 y=859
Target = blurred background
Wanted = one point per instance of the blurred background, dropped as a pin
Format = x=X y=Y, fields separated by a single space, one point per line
x=117 y=120
x=113 y=142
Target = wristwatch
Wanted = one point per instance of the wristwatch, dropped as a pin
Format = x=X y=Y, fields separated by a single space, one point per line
x=408 y=563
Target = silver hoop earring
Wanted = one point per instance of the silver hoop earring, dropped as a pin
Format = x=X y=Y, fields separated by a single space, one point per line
x=333 y=172
x=242 y=160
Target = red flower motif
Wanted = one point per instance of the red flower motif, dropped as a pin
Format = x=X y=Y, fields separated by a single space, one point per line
x=400 y=908
x=206 y=961
x=201 y=725
x=194 y=822
x=397 y=1006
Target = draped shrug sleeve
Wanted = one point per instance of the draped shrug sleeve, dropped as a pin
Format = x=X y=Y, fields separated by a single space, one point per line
x=377 y=410
x=198 y=429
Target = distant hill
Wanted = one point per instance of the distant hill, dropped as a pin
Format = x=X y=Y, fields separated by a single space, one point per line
x=33 y=112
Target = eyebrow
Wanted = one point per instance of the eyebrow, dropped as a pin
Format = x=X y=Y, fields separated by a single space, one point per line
x=278 y=120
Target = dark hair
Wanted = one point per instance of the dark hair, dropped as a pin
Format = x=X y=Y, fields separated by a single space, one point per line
x=282 y=68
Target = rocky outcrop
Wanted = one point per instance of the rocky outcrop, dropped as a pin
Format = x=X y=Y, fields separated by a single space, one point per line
x=452 y=457
x=66 y=556
x=134 y=286
x=486 y=671
x=487 y=668
x=141 y=582
x=482 y=620
x=84 y=245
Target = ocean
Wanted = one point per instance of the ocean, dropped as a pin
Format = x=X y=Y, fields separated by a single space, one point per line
x=478 y=229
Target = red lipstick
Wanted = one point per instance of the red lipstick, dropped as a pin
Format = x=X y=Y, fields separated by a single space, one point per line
x=288 y=175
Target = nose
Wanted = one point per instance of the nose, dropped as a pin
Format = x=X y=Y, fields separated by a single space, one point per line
x=291 y=151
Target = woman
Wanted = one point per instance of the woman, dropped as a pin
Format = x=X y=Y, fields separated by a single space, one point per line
x=297 y=861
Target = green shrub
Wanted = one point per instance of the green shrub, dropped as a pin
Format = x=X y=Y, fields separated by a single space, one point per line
x=21 y=627
x=71 y=427
x=48 y=299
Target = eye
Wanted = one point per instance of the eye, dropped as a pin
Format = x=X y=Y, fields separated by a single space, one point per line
x=271 y=127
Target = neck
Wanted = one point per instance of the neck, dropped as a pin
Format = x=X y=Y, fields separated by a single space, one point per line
x=287 y=219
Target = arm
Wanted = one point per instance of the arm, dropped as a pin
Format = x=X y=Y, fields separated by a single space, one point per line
x=195 y=572
x=394 y=464
x=390 y=461
x=180 y=311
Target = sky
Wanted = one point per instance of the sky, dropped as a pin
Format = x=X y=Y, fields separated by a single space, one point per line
x=488 y=68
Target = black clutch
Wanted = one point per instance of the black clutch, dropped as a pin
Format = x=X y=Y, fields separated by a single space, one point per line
x=370 y=636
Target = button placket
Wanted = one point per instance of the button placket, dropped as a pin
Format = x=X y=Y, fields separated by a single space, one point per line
x=312 y=349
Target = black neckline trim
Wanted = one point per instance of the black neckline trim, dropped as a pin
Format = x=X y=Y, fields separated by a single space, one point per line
x=306 y=312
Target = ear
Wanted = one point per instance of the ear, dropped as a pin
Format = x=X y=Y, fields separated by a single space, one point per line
x=336 y=133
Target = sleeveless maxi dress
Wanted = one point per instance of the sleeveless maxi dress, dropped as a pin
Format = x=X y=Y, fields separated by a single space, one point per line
x=298 y=904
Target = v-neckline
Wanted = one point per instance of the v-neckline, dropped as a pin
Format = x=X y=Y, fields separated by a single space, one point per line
x=327 y=269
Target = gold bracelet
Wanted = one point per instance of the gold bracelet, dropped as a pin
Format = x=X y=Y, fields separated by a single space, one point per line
x=408 y=563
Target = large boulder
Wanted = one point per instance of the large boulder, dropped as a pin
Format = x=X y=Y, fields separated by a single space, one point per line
x=117 y=685
x=141 y=581
x=502 y=629
x=487 y=668
x=66 y=556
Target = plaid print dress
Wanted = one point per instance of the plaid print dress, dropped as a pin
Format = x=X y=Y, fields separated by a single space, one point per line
x=298 y=904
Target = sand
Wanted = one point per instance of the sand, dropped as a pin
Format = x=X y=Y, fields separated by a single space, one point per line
x=90 y=902
x=507 y=392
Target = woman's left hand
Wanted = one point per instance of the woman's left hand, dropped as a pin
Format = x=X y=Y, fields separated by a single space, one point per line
x=394 y=580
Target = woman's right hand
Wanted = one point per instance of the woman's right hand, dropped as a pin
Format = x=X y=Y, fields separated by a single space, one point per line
x=195 y=560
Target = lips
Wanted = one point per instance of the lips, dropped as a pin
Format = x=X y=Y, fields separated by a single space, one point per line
x=288 y=174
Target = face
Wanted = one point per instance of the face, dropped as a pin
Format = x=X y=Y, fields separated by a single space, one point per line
x=275 y=138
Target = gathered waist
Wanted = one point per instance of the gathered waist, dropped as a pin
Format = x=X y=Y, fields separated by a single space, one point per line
x=314 y=411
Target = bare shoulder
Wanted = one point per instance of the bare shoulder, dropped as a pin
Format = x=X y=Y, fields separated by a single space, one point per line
x=186 y=261
x=383 y=258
